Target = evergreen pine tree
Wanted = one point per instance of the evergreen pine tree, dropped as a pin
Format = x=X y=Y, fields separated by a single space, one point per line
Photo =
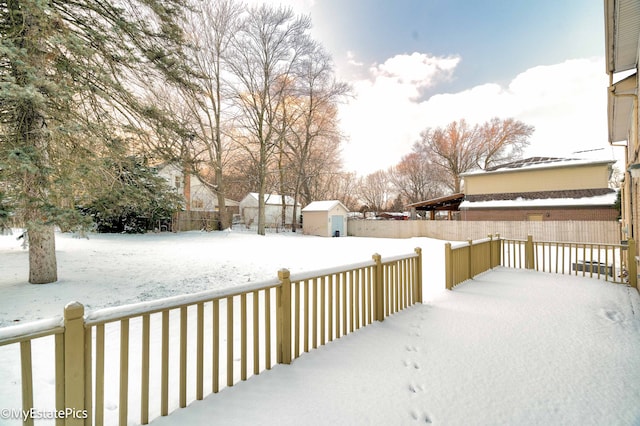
x=70 y=87
x=136 y=202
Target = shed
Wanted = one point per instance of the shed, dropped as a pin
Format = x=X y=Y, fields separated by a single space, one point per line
x=325 y=218
x=273 y=209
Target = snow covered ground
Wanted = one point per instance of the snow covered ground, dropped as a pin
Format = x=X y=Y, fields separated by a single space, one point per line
x=510 y=347
x=110 y=269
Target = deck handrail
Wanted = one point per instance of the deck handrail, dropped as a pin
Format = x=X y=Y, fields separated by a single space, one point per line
x=616 y=263
x=251 y=327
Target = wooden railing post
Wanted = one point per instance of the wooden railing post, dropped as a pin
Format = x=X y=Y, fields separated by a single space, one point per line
x=490 y=251
x=529 y=261
x=498 y=243
x=632 y=265
x=448 y=267
x=74 y=353
x=470 y=260
x=27 y=380
x=418 y=280
x=378 y=289
x=284 y=317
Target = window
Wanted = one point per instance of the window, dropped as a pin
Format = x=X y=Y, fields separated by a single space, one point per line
x=178 y=183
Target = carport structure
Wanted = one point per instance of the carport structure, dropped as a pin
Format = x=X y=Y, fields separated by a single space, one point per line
x=449 y=203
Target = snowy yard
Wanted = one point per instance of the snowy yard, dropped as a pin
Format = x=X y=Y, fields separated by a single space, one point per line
x=111 y=270
x=510 y=347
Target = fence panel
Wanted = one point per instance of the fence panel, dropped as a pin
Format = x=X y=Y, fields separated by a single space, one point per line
x=454 y=230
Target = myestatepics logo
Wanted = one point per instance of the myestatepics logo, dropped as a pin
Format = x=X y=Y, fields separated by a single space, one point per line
x=33 y=413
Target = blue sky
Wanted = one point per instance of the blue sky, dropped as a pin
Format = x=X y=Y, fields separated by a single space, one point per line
x=416 y=64
x=495 y=39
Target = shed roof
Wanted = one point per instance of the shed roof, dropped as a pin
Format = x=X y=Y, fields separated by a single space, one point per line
x=322 y=206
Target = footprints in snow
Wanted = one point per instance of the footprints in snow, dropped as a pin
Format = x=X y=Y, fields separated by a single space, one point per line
x=613 y=316
x=413 y=366
x=419 y=416
x=414 y=388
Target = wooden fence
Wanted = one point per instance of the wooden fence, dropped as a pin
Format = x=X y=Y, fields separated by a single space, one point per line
x=615 y=263
x=454 y=230
x=188 y=346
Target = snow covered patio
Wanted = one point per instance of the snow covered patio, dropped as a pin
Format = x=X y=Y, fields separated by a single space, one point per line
x=510 y=347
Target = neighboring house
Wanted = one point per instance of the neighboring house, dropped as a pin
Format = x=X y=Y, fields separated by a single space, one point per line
x=325 y=219
x=273 y=209
x=198 y=196
x=622 y=49
x=540 y=188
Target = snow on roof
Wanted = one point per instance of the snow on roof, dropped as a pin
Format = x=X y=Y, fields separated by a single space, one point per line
x=322 y=206
x=538 y=163
x=598 y=200
x=274 y=199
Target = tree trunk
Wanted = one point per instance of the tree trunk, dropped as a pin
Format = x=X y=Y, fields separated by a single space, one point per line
x=261 y=203
x=223 y=215
x=42 y=254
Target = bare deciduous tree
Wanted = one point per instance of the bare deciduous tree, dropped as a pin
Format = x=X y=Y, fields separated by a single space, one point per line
x=266 y=48
x=416 y=179
x=459 y=147
x=210 y=28
x=374 y=191
x=502 y=140
x=309 y=128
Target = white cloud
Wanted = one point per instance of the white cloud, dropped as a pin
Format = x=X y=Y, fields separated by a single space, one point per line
x=381 y=121
x=417 y=69
x=351 y=60
x=565 y=102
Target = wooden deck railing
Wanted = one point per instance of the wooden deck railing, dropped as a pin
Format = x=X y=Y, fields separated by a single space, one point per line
x=132 y=363
x=615 y=263
x=465 y=261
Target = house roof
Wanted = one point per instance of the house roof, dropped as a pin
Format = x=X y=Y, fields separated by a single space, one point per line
x=620 y=108
x=622 y=34
x=538 y=163
x=274 y=199
x=323 y=206
x=565 y=198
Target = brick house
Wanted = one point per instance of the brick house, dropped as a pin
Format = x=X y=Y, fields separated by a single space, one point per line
x=541 y=188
